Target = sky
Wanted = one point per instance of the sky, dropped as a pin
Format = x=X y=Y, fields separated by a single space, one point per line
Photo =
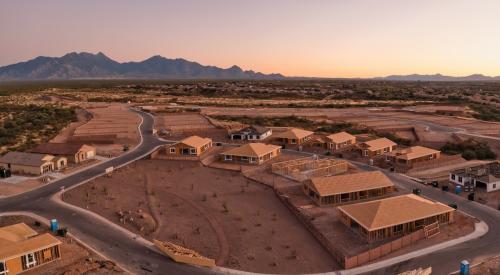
x=320 y=38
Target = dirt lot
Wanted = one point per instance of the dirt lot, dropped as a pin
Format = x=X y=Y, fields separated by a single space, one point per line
x=82 y=116
x=110 y=128
x=490 y=267
x=380 y=119
x=176 y=126
x=10 y=189
x=219 y=213
x=75 y=259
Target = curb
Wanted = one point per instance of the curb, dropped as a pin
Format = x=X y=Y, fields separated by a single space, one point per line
x=47 y=223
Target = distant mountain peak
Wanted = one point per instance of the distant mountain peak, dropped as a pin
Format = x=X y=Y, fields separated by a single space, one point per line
x=439 y=77
x=76 y=65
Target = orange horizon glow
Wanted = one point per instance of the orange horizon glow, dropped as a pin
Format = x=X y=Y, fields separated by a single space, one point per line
x=320 y=38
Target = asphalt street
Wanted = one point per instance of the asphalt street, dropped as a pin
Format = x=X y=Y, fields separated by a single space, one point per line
x=102 y=236
x=134 y=255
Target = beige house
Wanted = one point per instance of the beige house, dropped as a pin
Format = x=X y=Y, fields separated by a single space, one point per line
x=408 y=156
x=22 y=249
x=190 y=146
x=31 y=163
x=341 y=189
x=340 y=140
x=377 y=147
x=393 y=217
x=251 y=153
x=75 y=153
x=292 y=136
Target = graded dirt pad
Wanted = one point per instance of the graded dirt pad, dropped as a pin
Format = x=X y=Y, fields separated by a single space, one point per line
x=109 y=124
x=10 y=189
x=218 y=213
x=75 y=259
x=82 y=118
x=373 y=117
x=489 y=267
x=181 y=122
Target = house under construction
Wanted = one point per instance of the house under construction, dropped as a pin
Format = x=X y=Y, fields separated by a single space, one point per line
x=310 y=167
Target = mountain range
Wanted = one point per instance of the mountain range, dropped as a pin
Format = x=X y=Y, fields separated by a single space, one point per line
x=99 y=66
x=439 y=77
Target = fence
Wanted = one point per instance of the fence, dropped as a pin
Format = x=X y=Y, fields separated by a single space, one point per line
x=327 y=244
x=380 y=251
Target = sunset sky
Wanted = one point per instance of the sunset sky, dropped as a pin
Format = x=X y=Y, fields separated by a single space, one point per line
x=323 y=38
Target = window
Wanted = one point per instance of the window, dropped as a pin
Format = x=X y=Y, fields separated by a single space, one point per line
x=30 y=260
x=293 y=141
x=452 y=176
x=494 y=185
x=459 y=179
x=244 y=158
x=386 y=149
x=172 y=150
x=3 y=269
x=365 y=153
x=193 y=151
x=228 y=157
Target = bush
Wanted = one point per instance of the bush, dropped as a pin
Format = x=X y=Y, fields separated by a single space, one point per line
x=469 y=154
x=470 y=149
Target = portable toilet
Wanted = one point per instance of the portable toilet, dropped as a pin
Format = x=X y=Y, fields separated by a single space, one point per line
x=464 y=267
x=53 y=225
x=458 y=189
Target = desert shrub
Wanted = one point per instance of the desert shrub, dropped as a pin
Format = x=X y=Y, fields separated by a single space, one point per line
x=470 y=149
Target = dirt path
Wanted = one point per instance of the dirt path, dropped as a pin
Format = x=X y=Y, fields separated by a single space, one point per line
x=151 y=202
x=219 y=231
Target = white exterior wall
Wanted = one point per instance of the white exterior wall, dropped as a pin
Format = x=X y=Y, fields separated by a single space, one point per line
x=492 y=186
x=457 y=179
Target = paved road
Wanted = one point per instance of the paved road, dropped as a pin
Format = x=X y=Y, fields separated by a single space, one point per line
x=135 y=256
x=448 y=260
x=115 y=244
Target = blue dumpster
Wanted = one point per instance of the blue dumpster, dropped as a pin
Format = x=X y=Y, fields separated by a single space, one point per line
x=53 y=225
x=458 y=189
x=464 y=267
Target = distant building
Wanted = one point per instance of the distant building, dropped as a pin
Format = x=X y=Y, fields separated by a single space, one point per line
x=377 y=147
x=190 y=146
x=412 y=155
x=253 y=132
x=393 y=217
x=22 y=249
x=75 y=153
x=340 y=140
x=334 y=190
x=293 y=136
x=485 y=176
x=31 y=163
x=252 y=153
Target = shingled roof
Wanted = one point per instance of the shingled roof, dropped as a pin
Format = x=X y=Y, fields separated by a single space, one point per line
x=380 y=143
x=414 y=152
x=333 y=185
x=340 y=137
x=251 y=150
x=28 y=159
x=293 y=133
x=392 y=211
x=195 y=141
